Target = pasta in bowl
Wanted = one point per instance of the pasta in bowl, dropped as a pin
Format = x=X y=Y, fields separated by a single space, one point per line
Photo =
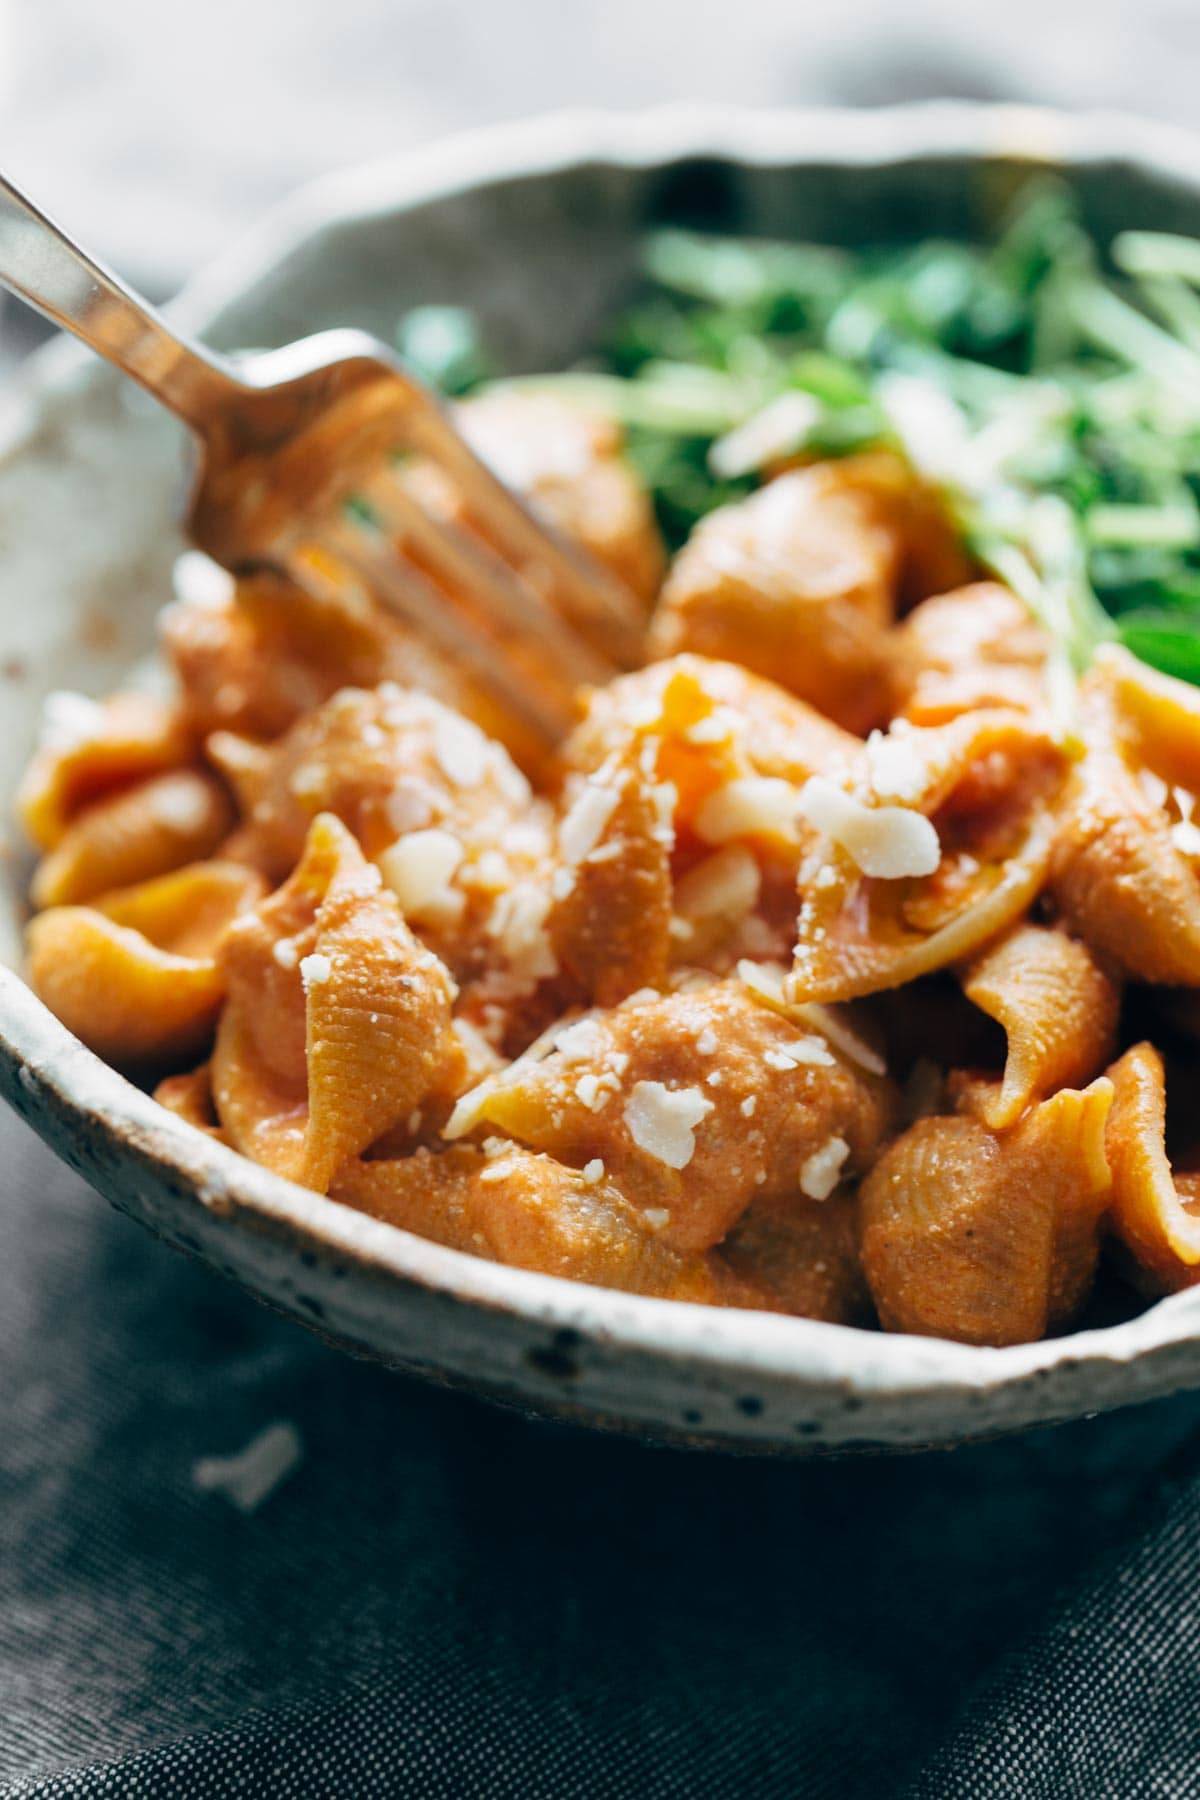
x=836 y=969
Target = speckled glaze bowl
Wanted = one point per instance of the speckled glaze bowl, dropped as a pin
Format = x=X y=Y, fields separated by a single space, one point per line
x=537 y=227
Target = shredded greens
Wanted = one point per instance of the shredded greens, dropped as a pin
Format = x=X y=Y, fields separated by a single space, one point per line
x=1055 y=401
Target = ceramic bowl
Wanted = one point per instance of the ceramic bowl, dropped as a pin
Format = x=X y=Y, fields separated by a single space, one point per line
x=537 y=227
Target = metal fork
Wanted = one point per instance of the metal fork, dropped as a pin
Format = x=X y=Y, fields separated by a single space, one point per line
x=300 y=468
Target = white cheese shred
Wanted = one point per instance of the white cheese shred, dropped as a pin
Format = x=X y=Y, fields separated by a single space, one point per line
x=821 y=1172
x=886 y=842
x=419 y=868
x=662 y=1121
x=315 y=969
x=251 y=1476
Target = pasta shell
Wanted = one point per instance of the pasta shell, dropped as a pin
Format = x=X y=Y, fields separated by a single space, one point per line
x=797 y=584
x=931 y=558
x=530 y=1212
x=467 y=1059
x=988 y=1238
x=1155 y=1211
x=190 y=1097
x=567 y=462
x=189 y=910
x=610 y=930
x=799 y=581
x=1058 y=1009
x=1123 y=870
x=254 y=662
x=709 y=722
x=697 y=1103
x=324 y=1045
x=387 y=762
x=988 y=782
x=976 y=647
x=134 y=835
x=805 y=1258
x=92 y=750
x=135 y=976
x=129 y=1001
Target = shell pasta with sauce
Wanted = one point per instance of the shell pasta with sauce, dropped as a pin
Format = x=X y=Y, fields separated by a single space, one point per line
x=830 y=968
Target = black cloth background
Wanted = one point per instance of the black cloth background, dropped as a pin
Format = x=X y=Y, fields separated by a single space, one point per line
x=445 y=1600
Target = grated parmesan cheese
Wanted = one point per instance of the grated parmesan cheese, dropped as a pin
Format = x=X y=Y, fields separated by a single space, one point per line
x=419 y=869
x=307 y=781
x=580 y=1041
x=657 y=1217
x=491 y=871
x=469 y=1110
x=717 y=727
x=584 y=823
x=199 y=581
x=518 y=922
x=315 y=969
x=179 y=802
x=595 y=1091
x=821 y=1172
x=409 y=807
x=593 y=1171
x=895 y=770
x=768 y=983
x=285 y=953
x=664 y=797
x=461 y=750
x=750 y=806
x=662 y=1121
x=886 y=842
x=725 y=885
x=765 y=981
x=810 y=1051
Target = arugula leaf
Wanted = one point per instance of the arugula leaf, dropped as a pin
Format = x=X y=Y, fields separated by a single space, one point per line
x=1161 y=639
x=1058 y=406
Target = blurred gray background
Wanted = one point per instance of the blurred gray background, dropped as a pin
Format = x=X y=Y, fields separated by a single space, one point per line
x=158 y=130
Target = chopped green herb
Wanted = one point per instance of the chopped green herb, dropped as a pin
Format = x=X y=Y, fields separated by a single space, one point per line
x=442 y=344
x=1057 y=407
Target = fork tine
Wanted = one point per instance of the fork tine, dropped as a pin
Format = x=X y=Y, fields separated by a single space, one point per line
x=481 y=581
x=543 y=704
x=596 y=603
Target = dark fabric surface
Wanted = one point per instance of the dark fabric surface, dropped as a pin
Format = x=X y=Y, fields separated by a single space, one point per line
x=446 y=1600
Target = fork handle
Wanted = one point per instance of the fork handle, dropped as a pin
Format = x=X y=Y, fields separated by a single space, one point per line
x=45 y=267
